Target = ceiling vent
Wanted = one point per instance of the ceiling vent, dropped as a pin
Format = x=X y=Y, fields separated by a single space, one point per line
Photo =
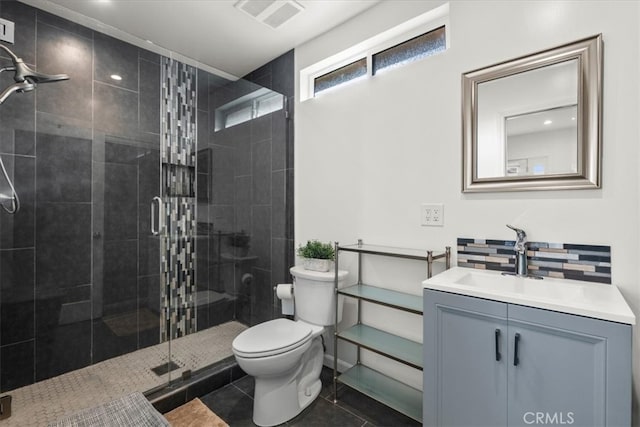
x=273 y=13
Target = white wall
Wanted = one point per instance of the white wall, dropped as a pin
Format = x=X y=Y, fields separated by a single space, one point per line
x=369 y=154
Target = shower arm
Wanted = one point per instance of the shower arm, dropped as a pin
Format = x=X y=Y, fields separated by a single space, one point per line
x=14 y=57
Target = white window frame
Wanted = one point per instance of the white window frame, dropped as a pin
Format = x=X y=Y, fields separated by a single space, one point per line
x=414 y=27
x=251 y=101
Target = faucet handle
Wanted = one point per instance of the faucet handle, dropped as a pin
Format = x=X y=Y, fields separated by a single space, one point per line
x=522 y=236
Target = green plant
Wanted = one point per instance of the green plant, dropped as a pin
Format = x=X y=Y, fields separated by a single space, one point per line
x=316 y=249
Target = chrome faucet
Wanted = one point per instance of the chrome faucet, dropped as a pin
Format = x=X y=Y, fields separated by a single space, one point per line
x=521 y=252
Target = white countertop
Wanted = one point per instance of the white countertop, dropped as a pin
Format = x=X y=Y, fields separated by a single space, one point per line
x=597 y=300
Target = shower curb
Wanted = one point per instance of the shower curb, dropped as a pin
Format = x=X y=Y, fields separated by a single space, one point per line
x=202 y=382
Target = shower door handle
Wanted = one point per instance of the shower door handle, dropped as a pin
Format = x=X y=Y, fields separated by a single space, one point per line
x=157 y=201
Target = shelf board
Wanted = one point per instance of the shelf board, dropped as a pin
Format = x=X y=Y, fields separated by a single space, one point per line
x=418 y=254
x=397 y=348
x=401 y=397
x=399 y=300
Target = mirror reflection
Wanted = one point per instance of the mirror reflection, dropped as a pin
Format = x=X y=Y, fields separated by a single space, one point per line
x=519 y=123
x=542 y=142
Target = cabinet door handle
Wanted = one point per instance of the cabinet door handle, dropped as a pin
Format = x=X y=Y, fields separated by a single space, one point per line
x=498 y=355
x=516 y=346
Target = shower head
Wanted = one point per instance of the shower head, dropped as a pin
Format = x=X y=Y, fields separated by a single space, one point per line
x=24 y=73
x=25 y=78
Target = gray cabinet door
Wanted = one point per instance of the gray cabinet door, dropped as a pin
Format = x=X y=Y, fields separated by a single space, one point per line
x=464 y=384
x=570 y=370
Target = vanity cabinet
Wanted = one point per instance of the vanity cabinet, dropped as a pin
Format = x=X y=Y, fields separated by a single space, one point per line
x=494 y=363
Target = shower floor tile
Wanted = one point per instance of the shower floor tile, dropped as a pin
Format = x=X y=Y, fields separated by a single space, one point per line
x=48 y=400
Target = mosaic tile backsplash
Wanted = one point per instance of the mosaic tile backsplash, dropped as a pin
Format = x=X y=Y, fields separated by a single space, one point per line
x=591 y=263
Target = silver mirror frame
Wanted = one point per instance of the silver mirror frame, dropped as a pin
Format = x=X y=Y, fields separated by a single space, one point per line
x=588 y=52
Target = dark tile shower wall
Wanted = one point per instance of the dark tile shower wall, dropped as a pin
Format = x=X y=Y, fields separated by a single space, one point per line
x=77 y=257
x=246 y=191
x=277 y=178
x=79 y=268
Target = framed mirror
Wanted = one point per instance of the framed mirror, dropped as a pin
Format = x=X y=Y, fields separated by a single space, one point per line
x=534 y=122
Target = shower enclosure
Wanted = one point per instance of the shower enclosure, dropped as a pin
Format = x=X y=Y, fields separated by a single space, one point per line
x=154 y=208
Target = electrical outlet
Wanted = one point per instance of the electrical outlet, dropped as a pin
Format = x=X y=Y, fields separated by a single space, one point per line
x=432 y=214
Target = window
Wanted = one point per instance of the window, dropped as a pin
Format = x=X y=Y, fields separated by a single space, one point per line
x=420 y=37
x=424 y=45
x=236 y=116
x=256 y=104
x=340 y=75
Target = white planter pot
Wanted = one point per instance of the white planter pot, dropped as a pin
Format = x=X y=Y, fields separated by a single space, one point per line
x=316 y=264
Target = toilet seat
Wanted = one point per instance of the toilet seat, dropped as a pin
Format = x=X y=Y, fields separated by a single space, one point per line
x=270 y=338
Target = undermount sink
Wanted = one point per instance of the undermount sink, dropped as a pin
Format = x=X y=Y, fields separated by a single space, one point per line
x=598 y=300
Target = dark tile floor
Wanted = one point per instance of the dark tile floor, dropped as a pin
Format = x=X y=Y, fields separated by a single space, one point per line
x=234 y=404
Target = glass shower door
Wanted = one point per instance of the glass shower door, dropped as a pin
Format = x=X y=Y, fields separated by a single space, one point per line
x=126 y=292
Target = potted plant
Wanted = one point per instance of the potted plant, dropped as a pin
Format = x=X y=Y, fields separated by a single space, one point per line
x=316 y=256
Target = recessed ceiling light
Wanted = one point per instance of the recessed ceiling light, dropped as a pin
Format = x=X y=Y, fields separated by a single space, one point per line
x=573 y=118
x=547 y=122
x=116 y=77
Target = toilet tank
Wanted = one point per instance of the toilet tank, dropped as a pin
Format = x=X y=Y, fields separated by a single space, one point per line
x=314 y=296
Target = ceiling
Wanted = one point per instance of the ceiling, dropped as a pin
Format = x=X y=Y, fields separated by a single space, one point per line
x=212 y=32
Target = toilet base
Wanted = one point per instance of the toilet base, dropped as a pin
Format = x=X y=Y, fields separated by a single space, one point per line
x=279 y=399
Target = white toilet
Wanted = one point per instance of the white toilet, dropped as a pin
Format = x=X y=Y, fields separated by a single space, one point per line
x=286 y=356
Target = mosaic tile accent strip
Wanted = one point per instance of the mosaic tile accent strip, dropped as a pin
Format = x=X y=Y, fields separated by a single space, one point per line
x=178 y=269
x=178 y=153
x=591 y=263
x=178 y=112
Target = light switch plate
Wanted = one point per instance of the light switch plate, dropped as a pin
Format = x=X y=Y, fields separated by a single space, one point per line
x=7 y=30
x=432 y=214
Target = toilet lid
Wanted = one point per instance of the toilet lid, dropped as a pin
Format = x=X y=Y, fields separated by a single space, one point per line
x=272 y=337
